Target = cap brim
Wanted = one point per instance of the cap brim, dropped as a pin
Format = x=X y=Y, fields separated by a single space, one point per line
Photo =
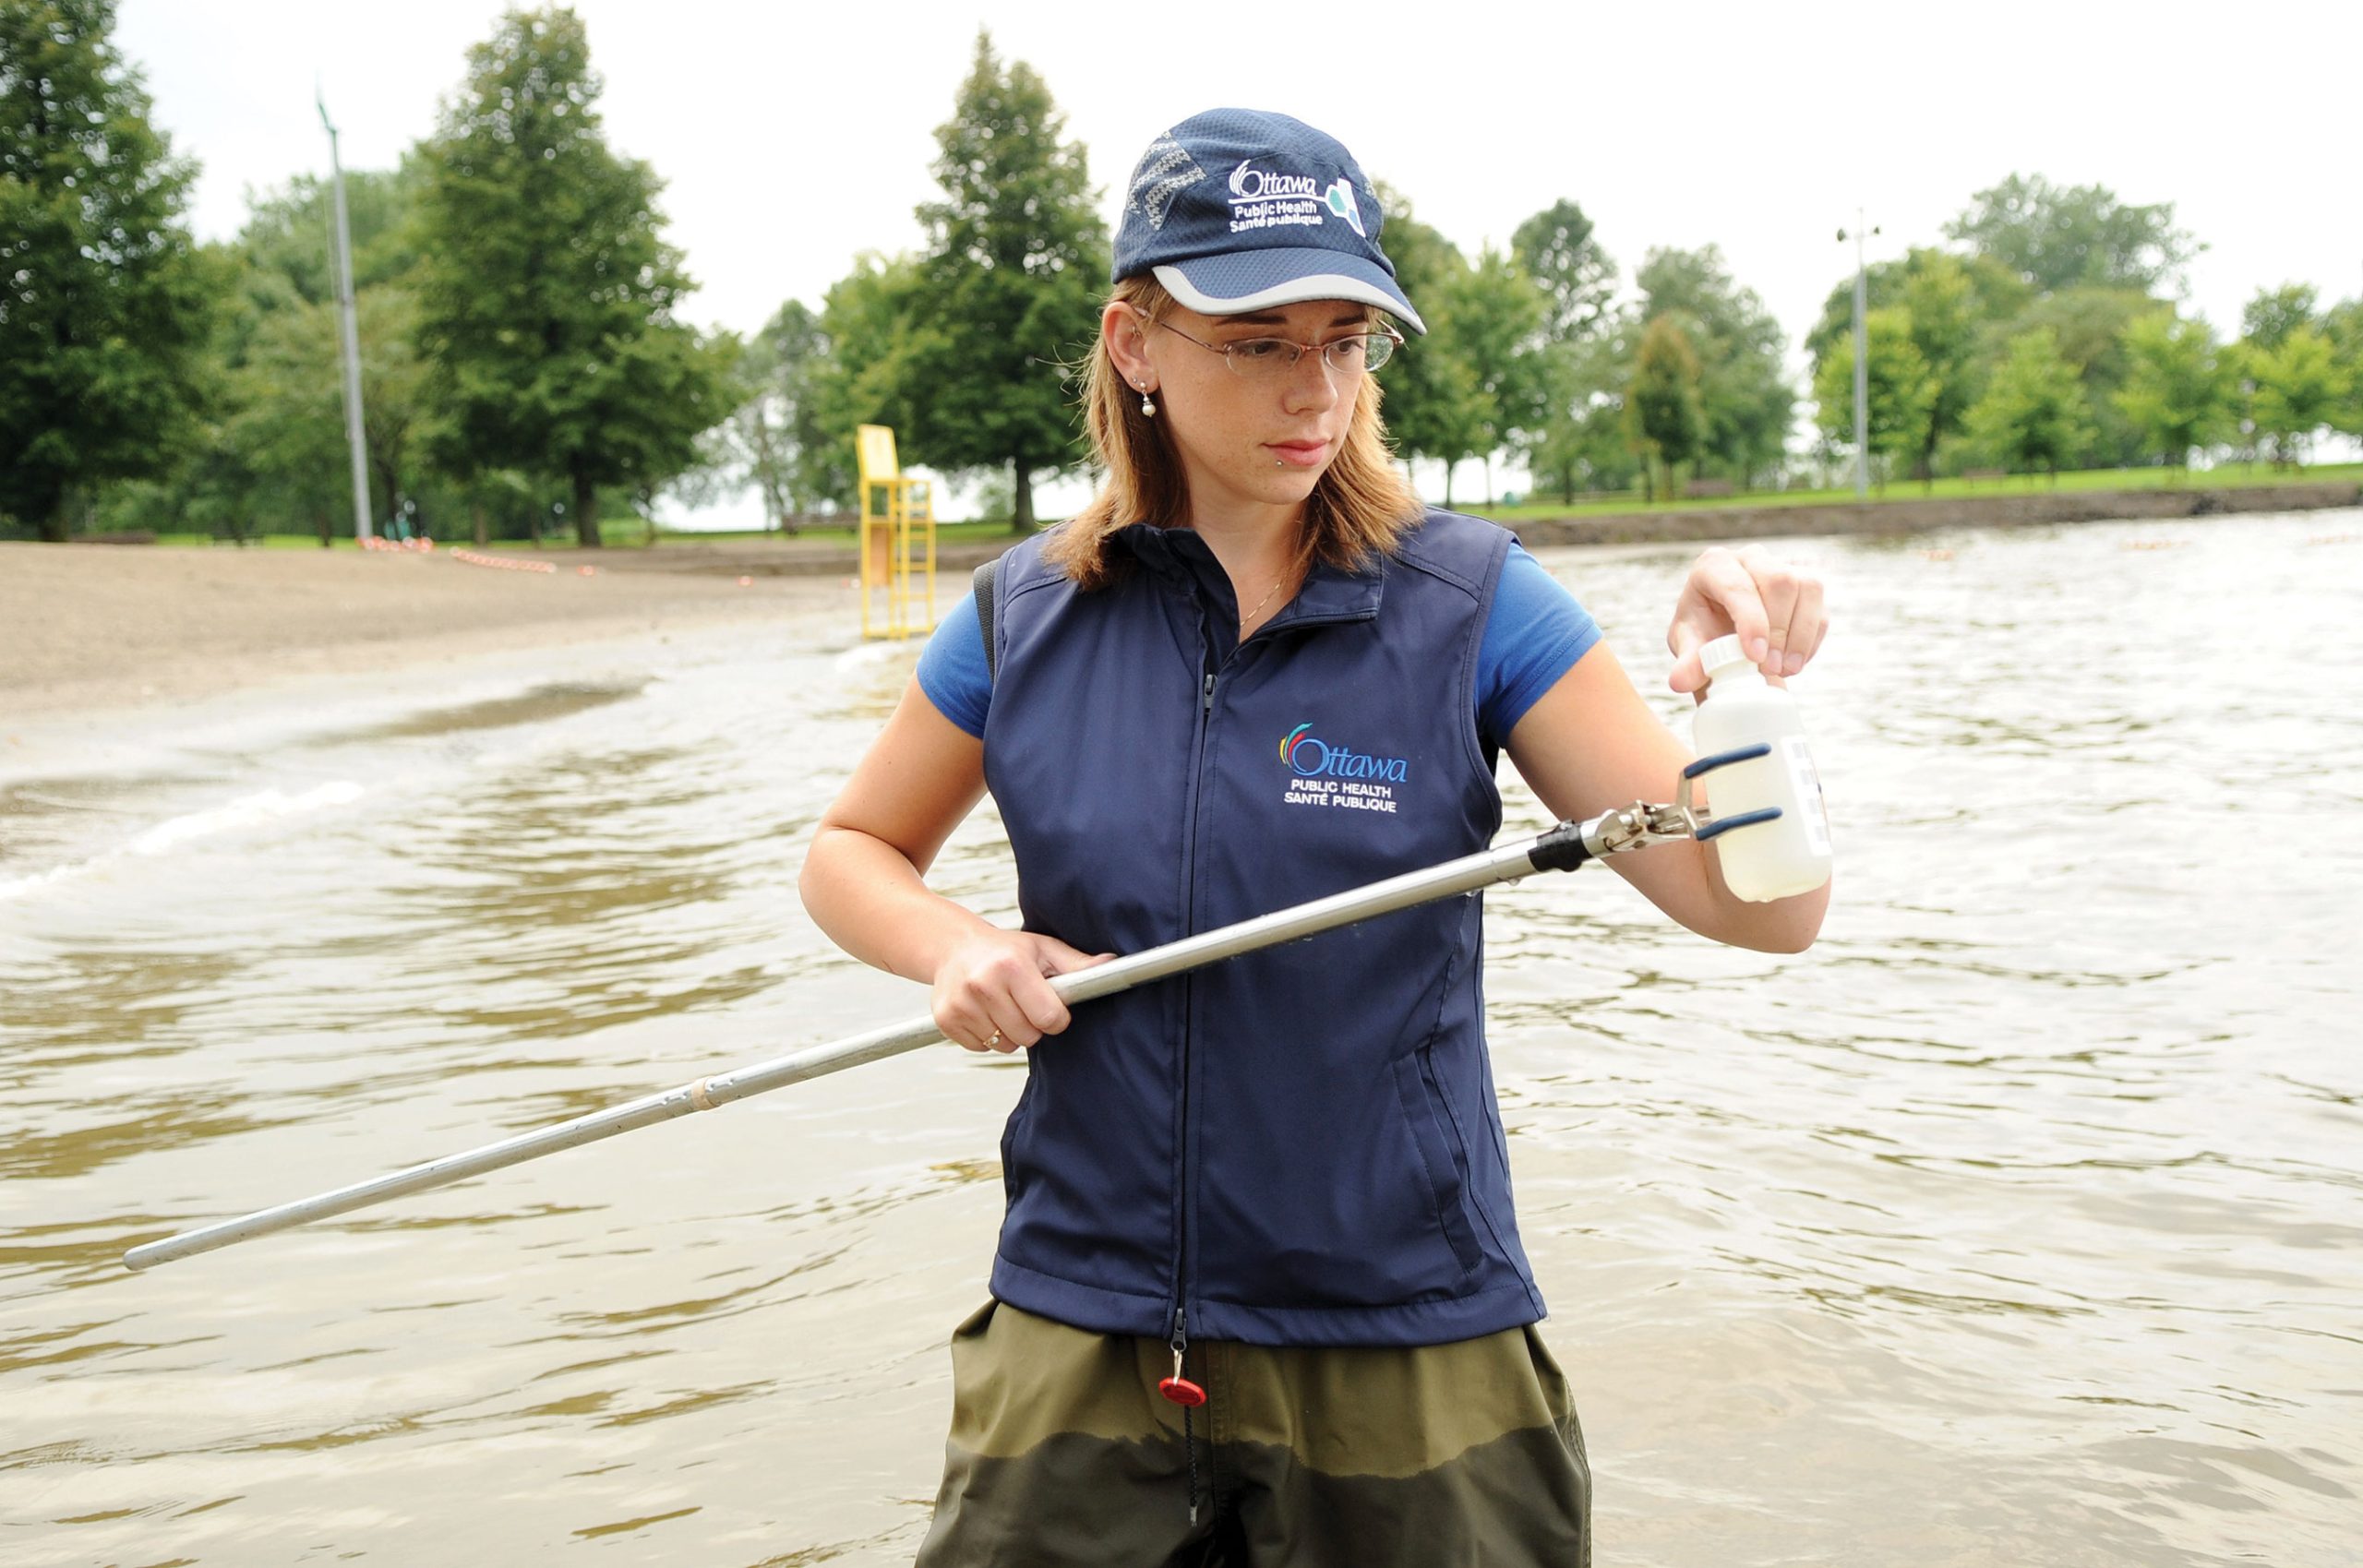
x=1261 y=280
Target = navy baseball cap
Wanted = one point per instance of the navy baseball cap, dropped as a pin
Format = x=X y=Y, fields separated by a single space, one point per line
x=1239 y=209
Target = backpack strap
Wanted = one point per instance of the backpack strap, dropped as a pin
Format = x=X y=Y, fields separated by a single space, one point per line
x=986 y=606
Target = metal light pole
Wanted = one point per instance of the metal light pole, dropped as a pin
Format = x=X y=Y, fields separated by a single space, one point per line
x=1862 y=370
x=351 y=340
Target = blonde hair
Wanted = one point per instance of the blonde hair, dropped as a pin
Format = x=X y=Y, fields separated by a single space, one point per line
x=1360 y=506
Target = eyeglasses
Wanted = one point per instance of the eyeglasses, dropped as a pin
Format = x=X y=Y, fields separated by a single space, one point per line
x=1269 y=359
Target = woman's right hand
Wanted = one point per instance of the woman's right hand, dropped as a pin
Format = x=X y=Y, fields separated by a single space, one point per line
x=992 y=992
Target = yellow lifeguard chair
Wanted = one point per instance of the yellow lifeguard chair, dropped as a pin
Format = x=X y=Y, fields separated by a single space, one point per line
x=897 y=541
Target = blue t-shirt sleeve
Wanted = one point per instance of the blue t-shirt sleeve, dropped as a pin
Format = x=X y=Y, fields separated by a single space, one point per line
x=1534 y=635
x=952 y=671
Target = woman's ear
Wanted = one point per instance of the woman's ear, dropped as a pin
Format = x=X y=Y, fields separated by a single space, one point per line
x=1125 y=331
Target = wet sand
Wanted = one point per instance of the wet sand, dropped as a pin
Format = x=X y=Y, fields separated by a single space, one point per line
x=90 y=628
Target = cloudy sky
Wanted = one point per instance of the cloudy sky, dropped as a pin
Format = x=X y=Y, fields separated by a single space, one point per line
x=793 y=135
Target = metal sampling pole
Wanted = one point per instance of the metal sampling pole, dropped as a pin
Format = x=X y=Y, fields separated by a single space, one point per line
x=1563 y=848
x=351 y=341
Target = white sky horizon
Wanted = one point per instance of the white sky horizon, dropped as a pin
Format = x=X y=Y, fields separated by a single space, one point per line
x=1729 y=126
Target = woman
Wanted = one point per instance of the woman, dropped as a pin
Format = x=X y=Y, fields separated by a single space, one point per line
x=1255 y=671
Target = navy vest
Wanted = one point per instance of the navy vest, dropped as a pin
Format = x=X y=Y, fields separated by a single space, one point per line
x=1300 y=1147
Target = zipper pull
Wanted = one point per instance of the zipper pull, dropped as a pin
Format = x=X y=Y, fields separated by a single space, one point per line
x=1209 y=704
x=1177 y=1388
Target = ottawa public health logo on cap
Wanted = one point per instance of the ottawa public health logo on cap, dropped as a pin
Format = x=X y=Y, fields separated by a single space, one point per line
x=1262 y=199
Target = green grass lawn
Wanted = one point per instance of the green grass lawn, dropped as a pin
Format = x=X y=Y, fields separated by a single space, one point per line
x=2081 y=479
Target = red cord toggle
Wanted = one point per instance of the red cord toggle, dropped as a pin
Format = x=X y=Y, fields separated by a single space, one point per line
x=1182 y=1391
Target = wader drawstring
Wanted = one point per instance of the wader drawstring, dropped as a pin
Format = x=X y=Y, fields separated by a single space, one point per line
x=1189 y=1395
x=1190 y=1445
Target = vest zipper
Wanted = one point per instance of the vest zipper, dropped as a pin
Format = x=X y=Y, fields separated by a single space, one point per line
x=1180 y=1339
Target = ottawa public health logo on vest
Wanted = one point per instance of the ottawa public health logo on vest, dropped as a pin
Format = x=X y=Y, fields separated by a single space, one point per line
x=1328 y=774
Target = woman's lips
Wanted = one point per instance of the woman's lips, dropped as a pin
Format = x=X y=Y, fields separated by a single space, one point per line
x=1299 y=454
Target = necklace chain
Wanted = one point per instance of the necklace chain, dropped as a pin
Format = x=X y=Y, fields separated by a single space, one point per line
x=1265 y=600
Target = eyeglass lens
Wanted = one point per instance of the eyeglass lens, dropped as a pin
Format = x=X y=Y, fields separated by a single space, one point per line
x=1345 y=356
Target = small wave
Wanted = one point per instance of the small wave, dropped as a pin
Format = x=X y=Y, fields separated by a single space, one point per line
x=247 y=811
x=862 y=654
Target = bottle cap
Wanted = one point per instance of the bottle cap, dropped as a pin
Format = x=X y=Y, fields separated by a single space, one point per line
x=1721 y=653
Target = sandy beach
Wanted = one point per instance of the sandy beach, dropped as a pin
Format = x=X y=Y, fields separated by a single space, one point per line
x=92 y=628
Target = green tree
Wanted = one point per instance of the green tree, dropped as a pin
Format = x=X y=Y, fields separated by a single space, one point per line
x=2299 y=389
x=1898 y=390
x=1583 y=444
x=872 y=328
x=2267 y=320
x=1743 y=390
x=105 y=307
x=773 y=441
x=2063 y=236
x=1664 y=406
x=1434 y=404
x=2090 y=325
x=1956 y=305
x=1015 y=270
x=289 y=424
x=1558 y=251
x=2343 y=325
x=1492 y=318
x=2033 y=411
x=546 y=300
x=284 y=247
x=2178 y=390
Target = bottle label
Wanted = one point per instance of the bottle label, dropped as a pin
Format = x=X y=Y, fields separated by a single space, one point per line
x=1805 y=784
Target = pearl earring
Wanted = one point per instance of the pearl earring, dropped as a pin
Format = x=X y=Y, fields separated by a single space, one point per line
x=1148 y=408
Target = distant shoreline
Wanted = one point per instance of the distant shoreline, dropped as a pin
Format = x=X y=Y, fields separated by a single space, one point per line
x=1901 y=513
x=1906 y=514
x=960 y=551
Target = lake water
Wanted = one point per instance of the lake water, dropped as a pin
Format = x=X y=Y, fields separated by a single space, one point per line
x=2020 y=1221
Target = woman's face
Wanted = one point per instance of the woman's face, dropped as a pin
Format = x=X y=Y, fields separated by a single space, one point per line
x=1247 y=441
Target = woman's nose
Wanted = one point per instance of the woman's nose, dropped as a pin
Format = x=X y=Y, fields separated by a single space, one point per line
x=1312 y=384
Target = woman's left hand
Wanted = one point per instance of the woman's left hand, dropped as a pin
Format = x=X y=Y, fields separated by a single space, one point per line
x=1773 y=606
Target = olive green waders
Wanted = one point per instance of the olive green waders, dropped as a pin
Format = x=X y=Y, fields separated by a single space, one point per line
x=1063 y=1451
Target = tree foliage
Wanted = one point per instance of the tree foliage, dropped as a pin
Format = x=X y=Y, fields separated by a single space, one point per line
x=1435 y=406
x=105 y=307
x=2033 y=413
x=547 y=292
x=1557 y=249
x=1900 y=389
x=1491 y=318
x=1665 y=407
x=1744 y=392
x=2178 y=390
x=774 y=441
x=2065 y=236
x=2267 y=320
x=1017 y=258
x=1958 y=308
x=2090 y=326
x=871 y=322
x=2343 y=325
x=2299 y=389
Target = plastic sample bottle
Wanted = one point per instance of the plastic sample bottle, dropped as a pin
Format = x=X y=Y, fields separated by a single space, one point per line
x=1765 y=860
